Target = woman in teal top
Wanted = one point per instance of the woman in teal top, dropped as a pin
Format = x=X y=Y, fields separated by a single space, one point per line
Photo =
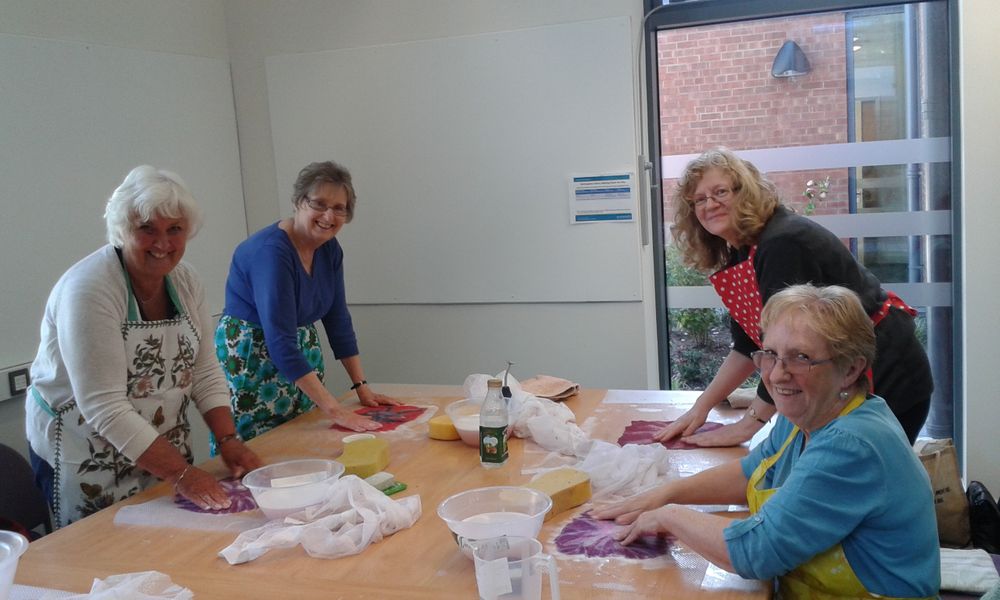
x=841 y=506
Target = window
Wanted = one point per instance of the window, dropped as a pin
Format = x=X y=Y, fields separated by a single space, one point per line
x=861 y=143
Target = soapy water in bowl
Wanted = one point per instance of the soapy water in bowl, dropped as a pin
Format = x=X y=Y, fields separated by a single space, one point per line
x=468 y=428
x=496 y=517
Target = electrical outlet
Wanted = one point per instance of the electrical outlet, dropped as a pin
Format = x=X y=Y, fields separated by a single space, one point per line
x=18 y=380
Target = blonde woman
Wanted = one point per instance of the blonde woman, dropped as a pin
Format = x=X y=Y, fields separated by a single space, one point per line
x=730 y=221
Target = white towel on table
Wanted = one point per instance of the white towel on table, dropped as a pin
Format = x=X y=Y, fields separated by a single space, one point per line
x=354 y=515
x=970 y=571
x=144 y=585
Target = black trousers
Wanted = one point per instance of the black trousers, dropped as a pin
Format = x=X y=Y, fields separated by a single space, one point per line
x=902 y=373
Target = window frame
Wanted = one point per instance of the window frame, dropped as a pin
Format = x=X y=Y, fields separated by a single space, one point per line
x=690 y=13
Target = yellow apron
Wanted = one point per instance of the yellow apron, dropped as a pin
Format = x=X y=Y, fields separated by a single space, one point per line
x=825 y=576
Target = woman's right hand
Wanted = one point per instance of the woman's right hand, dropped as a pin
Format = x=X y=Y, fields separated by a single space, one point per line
x=353 y=421
x=686 y=425
x=628 y=510
x=202 y=488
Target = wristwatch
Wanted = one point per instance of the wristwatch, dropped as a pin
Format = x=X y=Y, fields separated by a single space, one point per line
x=753 y=415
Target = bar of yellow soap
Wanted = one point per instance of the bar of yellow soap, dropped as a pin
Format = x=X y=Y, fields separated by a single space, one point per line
x=364 y=458
x=567 y=488
x=442 y=428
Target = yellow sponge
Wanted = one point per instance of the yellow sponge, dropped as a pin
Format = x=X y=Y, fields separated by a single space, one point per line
x=364 y=458
x=442 y=428
x=567 y=488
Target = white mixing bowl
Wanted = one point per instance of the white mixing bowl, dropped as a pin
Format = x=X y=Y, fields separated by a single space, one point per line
x=489 y=512
x=287 y=487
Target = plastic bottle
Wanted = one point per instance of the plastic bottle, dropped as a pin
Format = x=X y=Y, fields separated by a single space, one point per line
x=493 y=423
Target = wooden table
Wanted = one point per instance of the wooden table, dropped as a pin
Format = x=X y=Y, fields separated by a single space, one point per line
x=420 y=562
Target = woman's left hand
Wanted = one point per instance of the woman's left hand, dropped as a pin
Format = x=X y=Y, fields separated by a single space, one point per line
x=369 y=397
x=239 y=458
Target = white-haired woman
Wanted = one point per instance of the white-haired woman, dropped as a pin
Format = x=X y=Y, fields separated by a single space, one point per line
x=125 y=348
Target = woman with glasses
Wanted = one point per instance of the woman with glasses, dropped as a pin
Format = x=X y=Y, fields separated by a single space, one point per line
x=730 y=221
x=124 y=351
x=840 y=505
x=281 y=281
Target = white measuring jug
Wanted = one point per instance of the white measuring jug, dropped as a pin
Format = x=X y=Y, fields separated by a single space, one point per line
x=510 y=568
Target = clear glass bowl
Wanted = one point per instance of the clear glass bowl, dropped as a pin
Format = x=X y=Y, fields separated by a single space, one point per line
x=287 y=487
x=489 y=512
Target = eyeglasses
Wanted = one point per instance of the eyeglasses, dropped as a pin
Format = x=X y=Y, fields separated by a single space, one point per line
x=720 y=195
x=316 y=205
x=796 y=365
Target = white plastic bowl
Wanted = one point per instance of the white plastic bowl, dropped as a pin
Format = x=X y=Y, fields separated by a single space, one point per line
x=12 y=546
x=465 y=416
x=293 y=485
x=483 y=513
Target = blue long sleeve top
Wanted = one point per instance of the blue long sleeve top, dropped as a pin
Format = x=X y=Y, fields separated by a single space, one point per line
x=857 y=483
x=268 y=286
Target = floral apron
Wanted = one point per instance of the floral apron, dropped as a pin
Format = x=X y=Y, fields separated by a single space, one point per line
x=89 y=472
x=826 y=576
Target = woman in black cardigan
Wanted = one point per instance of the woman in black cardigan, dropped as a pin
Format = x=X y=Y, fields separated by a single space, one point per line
x=730 y=221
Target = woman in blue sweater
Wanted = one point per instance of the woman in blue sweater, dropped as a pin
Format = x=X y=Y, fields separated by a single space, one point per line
x=281 y=281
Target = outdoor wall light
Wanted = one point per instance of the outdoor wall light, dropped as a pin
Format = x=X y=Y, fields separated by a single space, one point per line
x=790 y=61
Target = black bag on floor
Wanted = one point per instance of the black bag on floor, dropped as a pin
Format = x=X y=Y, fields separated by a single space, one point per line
x=984 y=517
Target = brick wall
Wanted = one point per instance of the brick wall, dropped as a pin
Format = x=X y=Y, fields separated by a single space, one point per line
x=716 y=89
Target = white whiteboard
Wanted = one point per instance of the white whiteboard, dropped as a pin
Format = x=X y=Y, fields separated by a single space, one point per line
x=74 y=119
x=461 y=151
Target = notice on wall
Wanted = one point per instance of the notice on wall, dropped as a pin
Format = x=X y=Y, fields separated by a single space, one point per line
x=601 y=198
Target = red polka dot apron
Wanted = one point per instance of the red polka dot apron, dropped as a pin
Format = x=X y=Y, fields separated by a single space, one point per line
x=737 y=287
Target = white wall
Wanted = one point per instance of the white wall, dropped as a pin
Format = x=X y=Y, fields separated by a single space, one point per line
x=429 y=344
x=600 y=345
x=608 y=344
x=980 y=88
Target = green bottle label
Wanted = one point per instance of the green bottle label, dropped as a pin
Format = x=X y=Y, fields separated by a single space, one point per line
x=493 y=444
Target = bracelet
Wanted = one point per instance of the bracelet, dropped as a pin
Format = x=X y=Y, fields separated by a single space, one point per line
x=222 y=440
x=183 y=473
x=359 y=384
x=753 y=415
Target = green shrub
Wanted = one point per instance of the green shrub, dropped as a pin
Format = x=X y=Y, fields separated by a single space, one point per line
x=679 y=273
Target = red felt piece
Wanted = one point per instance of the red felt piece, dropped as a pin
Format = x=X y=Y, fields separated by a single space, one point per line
x=388 y=415
x=641 y=432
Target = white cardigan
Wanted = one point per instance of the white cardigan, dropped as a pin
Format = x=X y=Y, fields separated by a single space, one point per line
x=81 y=356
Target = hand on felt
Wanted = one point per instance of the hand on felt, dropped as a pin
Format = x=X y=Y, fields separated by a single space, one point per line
x=202 y=488
x=353 y=421
x=732 y=434
x=686 y=425
x=368 y=397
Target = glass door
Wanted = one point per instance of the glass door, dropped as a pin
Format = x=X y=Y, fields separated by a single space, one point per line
x=848 y=112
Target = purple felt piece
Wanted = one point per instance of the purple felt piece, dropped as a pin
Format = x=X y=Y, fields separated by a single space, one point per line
x=242 y=499
x=641 y=432
x=587 y=536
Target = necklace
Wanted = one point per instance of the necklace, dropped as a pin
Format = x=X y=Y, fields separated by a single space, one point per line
x=145 y=300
